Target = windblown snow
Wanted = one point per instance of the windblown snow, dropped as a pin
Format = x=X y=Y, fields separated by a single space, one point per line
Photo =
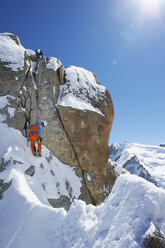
x=27 y=219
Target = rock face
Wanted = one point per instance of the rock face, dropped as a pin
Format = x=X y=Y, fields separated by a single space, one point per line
x=79 y=111
x=86 y=111
x=13 y=70
x=154 y=238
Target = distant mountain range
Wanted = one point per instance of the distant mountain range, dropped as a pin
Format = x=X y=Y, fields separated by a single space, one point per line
x=142 y=160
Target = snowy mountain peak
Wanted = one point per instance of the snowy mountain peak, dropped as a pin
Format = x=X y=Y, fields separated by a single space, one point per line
x=143 y=160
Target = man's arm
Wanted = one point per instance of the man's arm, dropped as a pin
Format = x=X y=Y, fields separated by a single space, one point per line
x=29 y=126
x=40 y=130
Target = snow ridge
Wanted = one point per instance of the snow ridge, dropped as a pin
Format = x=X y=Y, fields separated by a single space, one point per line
x=119 y=222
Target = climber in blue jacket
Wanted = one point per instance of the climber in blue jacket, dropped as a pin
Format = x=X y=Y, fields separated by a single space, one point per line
x=39 y=54
x=35 y=135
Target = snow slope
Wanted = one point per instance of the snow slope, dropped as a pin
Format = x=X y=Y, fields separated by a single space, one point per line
x=27 y=220
x=49 y=171
x=152 y=158
x=120 y=222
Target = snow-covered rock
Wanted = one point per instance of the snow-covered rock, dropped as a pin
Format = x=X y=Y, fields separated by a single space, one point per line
x=82 y=91
x=11 y=52
x=78 y=109
x=87 y=112
x=154 y=238
x=134 y=166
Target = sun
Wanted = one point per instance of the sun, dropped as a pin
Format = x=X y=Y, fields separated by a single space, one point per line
x=150 y=2
x=151 y=8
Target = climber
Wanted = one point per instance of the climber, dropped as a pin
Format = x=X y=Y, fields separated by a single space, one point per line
x=39 y=54
x=35 y=135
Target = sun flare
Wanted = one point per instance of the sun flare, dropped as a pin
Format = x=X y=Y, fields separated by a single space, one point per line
x=151 y=8
x=150 y=2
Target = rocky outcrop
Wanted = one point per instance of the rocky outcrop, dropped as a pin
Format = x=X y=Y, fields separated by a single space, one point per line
x=30 y=171
x=154 y=238
x=3 y=187
x=86 y=111
x=89 y=145
x=79 y=111
x=13 y=68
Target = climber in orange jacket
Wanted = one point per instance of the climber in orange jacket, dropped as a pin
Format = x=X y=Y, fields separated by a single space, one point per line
x=35 y=135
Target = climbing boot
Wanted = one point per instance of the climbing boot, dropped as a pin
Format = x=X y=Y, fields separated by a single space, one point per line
x=34 y=153
x=39 y=154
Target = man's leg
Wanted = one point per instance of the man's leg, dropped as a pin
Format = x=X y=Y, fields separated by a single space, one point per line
x=33 y=147
x=39 y=147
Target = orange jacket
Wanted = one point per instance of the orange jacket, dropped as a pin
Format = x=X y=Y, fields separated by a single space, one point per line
x=35 y=131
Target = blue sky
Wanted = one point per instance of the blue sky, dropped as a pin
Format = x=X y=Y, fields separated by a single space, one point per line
x=122 y=41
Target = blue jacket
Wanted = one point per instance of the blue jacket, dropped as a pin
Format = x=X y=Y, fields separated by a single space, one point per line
x=39 y=55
